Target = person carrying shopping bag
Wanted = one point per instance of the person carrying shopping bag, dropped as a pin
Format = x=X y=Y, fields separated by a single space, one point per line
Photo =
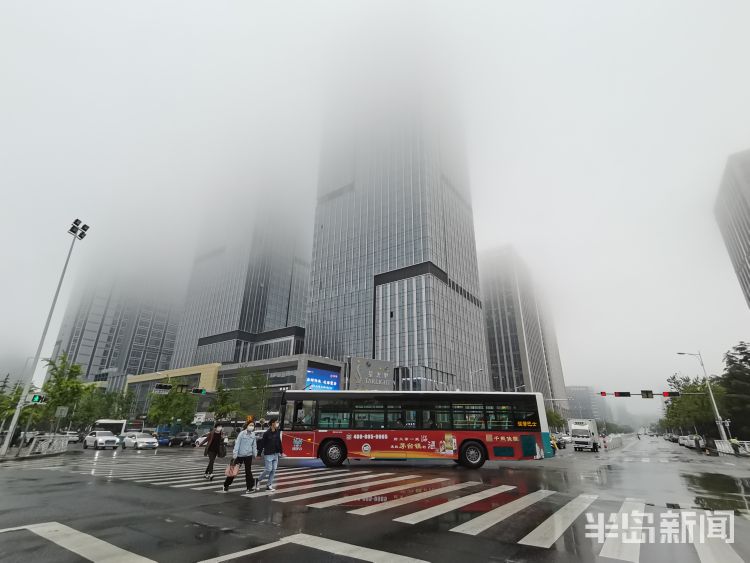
x=245 y=449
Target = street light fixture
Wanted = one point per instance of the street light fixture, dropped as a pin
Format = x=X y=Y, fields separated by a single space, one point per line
x=78 y=232
x=719 y=423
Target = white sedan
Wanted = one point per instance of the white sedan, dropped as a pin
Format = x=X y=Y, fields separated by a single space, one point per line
x=139 y=440
x=100 y=439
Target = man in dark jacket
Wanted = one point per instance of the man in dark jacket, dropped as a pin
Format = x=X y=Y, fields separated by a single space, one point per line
x=213 y=447
x=271 y=449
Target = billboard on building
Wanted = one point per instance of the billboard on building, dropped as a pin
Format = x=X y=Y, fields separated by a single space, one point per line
x=371 y=375
x=322 y=379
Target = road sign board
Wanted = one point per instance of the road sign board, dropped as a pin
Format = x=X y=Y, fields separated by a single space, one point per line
x=61 y=412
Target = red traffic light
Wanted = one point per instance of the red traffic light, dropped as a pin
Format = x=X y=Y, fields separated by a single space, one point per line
x=671 y=394
x=622 y=393
x=603 y=393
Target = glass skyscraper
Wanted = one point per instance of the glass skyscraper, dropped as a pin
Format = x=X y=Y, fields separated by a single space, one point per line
x=246 y=301
x=111 y=330
x=733 y=216
x=521 y=341
x=394 y=268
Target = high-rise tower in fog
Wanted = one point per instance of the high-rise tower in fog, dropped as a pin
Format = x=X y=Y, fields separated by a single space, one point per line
x=394 y=268
x=733 y=215
x=521 y=339
x=246 y=299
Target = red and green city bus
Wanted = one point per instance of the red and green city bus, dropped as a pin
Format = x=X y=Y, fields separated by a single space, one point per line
x=469 y=428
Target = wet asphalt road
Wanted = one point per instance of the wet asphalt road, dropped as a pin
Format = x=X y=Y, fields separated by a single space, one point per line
x=154 y=505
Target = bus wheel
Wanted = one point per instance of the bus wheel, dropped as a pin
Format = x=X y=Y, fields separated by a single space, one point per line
x=472 y=455
x=333 y=453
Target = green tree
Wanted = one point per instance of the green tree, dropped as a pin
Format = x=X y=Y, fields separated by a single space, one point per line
x=63 y=386
x=225 y=402
x=736 y=383
x=252 y=393
x=692 y=410
x=555 y=420
x=173 y=407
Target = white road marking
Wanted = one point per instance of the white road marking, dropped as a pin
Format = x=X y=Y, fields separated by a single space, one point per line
x=645 y=460
x=313 y=486
x=614 y=547
x=279 y=479
x=628 y=459
x=716 y=550
x=326 y=545
x=412 y=498
x=341 y=489
x=282 y=481
x=348 y=498
x=664 y=461
x=427 y=513
x=86 y=546
x=549 y=531
x=489 y=519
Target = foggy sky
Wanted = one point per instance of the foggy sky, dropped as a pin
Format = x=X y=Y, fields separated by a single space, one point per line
x=596 y=136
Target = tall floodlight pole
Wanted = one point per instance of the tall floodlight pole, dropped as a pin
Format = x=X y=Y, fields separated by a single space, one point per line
x=719 y=423
x=78 y=232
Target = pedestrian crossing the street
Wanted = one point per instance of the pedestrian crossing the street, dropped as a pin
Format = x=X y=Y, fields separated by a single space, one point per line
x=406 y=499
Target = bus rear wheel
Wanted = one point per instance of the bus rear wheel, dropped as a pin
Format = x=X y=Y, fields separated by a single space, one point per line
x=333 y=453
x=472 y=455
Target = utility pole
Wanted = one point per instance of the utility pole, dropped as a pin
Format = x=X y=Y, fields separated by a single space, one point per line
x=78 y=232
x=717 y=416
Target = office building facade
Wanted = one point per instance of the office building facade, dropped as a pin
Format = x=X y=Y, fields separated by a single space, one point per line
x=522 y=346
x=246 y=301
x=394 y=271
x=111 y=331
x=732 y=212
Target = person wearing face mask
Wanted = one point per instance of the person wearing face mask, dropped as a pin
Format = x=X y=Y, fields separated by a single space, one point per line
x=213 y=448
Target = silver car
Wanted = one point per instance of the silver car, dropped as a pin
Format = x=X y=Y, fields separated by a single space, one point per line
x=139 y=440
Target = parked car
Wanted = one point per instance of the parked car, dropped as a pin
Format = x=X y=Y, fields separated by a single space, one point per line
x=200 y=442
x=73 y=437
x=139 y=440
x=164 y=438
x=182 y=439
x=100 y=439
x=683 y=440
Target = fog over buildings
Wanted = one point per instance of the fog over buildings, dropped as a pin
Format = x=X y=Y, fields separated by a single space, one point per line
x=595 y=140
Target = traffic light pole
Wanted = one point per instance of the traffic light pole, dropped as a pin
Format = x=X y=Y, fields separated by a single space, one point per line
x=30 y=376
x=719 y=423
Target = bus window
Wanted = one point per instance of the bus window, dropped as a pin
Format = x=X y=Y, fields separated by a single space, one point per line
x=369 y=419
x=333 y=414
x=435 y=418
x=468 y=416
x=499 y=417
x=304 y=415
x=402 y=416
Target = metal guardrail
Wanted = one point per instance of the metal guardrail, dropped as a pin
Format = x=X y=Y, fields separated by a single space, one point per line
x=724 y=447
x=46 y=445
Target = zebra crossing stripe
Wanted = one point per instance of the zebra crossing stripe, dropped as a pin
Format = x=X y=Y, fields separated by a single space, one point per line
x=412 y=498
x=614 y=547
x=340 y=489
x=349 y=498
x=645 y=460
x=307 y=480
x=283 y=490
x=427 y=513
x=489 y=519
x=281 y=479
x=84 y=545
x=549 y=531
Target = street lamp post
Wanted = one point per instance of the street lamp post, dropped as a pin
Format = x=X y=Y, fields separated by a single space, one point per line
x=471 y=377
x=78 y=232
x=719 y=423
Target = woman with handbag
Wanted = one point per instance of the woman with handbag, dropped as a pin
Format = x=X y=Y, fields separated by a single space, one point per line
x=214 y=446
x=245 y=449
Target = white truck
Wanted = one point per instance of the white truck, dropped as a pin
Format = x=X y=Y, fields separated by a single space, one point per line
x=584 y=433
